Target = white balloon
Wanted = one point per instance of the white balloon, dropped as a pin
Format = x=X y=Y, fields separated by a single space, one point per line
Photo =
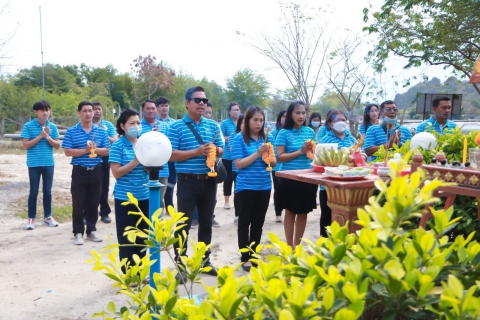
x=153 y=149
x=423 y=139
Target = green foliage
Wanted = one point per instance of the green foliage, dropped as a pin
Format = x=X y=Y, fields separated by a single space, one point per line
x=402 y=274
x=248 y=88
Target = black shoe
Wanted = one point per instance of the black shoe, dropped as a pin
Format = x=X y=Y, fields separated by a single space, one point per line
x=213 y=270
x=105 y=219
x=246 y=268
x=181 y=278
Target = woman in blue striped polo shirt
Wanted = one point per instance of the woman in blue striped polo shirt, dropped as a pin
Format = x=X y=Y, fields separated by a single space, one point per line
x=296 y=197
x=228 y=146
x=131 y=177
x=278 y=126
x=338 y=133
x=370 y=118
x=253 y=184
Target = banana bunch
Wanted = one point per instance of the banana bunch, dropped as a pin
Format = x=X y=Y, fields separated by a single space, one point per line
x=332 y=158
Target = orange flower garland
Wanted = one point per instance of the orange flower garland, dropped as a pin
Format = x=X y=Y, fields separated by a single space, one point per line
x=311 y=152
x=269 y=156
x=211 y=160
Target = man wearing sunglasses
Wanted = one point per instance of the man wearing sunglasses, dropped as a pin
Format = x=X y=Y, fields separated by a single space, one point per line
x=389 y=132
x=194 y=187
x=440 y=120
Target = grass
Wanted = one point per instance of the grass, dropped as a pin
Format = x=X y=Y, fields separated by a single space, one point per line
x=61 y=207
x=16 y=147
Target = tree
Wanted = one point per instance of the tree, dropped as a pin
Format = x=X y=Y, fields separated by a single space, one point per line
x=427 y=32
x=300 y=50
x=248 y=88
x=347 y=75
x=57 y=78
x=5 y=37
x=150 y=77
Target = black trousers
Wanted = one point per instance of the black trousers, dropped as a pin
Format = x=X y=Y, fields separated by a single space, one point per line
x=202 y=194
x=104 y=205
x=123 y=220
x=227 y=184
x=172 y=180
x=253 y=207
x=278 y=210
x=326 y=213
x=86 y=189
x=235 y=200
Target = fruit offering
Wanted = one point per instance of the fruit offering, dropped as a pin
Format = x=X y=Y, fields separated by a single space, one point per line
x=311 y=151
x=211 y=160
x=269 y=156
x=332 y=158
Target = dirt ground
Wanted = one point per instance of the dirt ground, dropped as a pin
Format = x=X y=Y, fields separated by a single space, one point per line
x=43 y=275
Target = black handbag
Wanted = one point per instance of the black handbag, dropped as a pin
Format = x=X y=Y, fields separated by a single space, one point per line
x=218 y=167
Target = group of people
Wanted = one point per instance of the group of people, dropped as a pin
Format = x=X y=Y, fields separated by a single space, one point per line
x=241 y=141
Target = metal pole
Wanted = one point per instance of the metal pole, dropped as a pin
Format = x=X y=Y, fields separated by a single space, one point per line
x=154 y=203
x=41 y=48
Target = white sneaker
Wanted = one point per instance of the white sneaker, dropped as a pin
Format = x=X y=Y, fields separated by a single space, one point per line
x=30 y=224
x=226 y=206
x=78 y=239
x=50 y=222
x=94 y=237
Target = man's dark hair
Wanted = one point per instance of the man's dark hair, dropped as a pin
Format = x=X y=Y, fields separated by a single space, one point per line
x=382 y=106
x=209 y=105
x=288 y=119
x=123 y=118
x=97 y=103
x=233 y=104
x=162 y=100
x=84 y=103
x=437 y=100
x=41 y=105
x=148 y=100
x=191 y=91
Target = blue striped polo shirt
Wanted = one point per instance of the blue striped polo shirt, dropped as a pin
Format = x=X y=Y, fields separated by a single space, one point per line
x=293 y=140
x=228 y=127
x=76 y=138
x=162 y=127
x=41 y=154
x=254 y=176
x=135 y=181
x=274 y=134
x=229 y=147
x=168 y=121
x=362 y=130
x=183 y=139
x=321 y=133
x=108 y=126
x=432 y=125
x=375 y=136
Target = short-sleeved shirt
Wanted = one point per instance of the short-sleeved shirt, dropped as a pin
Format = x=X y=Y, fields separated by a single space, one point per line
x=321 y=133
x=376 y=136
x=274 y=135
x=107 y=125
x=76 y=138
x=228 y=127
x=163 y=128
x=432 y=125
x=293 y=140
x=228 y=145
x=168 y=121
x=254 y=176
x=135 y=181
x=41 y=154
x=183 y=139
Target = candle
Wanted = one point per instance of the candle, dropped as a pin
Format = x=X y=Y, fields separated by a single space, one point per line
x=464 y=149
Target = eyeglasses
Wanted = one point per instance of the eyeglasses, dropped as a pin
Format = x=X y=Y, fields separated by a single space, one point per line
x=391 y=109
x=198 y=100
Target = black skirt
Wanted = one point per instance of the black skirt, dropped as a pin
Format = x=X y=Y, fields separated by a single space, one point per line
x=296 y=196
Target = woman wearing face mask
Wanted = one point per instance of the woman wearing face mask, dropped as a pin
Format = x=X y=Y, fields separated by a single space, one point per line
x=370 y=118
x=296 y=197
x=279 y=125
x=338 y=133
x=315 y=121
x=130 y=178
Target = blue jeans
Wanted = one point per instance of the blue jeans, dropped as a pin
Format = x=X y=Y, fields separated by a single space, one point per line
x=193 y=193
x=34 y=174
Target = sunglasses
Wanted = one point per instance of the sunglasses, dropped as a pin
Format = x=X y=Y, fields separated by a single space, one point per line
x=391 y=109
x=198 y=100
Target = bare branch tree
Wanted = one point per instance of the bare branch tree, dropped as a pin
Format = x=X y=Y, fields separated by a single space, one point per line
x=347 y=75
x=4 y=38
x=299 y=51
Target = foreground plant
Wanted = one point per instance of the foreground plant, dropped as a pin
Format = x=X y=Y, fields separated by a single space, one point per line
x=382 y=272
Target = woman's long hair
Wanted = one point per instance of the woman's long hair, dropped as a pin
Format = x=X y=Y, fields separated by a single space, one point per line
x=366 y=115
x=278 y=125
x=289 y=120
x=246 y=124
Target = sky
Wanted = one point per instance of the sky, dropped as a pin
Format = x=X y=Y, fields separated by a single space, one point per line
x=198 y=37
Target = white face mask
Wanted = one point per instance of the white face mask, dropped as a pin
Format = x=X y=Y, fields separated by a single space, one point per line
x=315 y=124
x=340 y=126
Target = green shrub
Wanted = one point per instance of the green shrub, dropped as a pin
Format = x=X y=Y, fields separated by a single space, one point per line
x=384 y=271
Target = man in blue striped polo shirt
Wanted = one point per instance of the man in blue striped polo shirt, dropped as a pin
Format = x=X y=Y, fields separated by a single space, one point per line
x=440 y=120
x=195 y=187
x=40 y=136
x=387 y=133
x=163 y=108
x=112 y=137
x=151 y=123
x=86 y=142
